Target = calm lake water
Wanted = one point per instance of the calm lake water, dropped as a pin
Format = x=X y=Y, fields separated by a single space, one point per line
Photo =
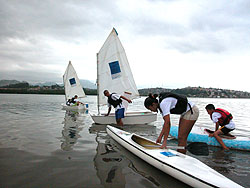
x=42 y=145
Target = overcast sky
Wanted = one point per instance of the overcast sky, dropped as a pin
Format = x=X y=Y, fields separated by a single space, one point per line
x=169 y=43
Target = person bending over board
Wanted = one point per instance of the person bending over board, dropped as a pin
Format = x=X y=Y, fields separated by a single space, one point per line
x=221 y=118
x=116 y=101
x=170 y=103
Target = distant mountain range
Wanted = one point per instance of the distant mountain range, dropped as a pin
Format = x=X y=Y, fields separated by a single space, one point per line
x=8 y=82
x=85 y=83
x=88 y=84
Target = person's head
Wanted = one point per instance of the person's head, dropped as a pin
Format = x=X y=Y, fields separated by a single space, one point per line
x=75 y=96
x=106 y=93
x=210 y=108
x=151 y=103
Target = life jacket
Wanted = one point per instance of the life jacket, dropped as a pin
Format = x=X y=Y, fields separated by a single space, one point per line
x=225 y=116
x=181 y=105
x=73 y=100
x=114 y=103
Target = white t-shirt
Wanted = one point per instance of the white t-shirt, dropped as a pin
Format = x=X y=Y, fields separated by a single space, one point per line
x=169 y=103
x=115 y=96
x=215 y=119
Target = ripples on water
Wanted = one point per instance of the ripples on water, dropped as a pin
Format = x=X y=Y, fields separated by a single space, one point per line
x=35 y=130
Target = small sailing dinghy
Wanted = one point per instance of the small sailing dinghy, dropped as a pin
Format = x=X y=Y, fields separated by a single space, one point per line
x=200 y=134
x=114 y=74
x=72 y=87
x=182 y=167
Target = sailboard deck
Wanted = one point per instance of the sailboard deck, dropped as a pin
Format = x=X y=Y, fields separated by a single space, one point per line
x=200 y=134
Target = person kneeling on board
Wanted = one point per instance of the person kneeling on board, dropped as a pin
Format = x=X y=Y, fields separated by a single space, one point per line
x=221 y=118
x=170 y=103
x=116 y=101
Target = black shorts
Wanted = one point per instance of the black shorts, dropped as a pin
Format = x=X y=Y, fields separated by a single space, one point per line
x=225 y=130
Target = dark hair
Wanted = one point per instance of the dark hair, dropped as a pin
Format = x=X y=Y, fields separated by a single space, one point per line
x=150 y=100
x=210 y=107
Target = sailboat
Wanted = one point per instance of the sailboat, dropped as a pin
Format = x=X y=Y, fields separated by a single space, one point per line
x=114 y=74
x=72 y=87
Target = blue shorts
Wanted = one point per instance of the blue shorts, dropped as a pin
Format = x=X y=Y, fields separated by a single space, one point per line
x=119 y=113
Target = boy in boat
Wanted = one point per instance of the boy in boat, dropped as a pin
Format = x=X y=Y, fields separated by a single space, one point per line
x=170 y=103
x=221 y=118
x=73 y=101
x=116 y=101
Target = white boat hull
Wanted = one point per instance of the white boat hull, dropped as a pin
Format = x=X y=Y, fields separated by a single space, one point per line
x=131 y=118
x=80 y=107
x=182 y=167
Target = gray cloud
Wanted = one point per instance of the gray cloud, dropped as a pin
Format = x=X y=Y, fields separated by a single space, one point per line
x=28 y=28
x=214 y=28
x=63 y=20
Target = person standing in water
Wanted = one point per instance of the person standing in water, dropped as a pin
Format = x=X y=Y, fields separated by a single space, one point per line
x=221 y=118
x=170 y=103
x=116 y=101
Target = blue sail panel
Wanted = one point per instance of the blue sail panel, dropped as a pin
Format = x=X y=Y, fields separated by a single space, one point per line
x=72 y=81
x=115 y=69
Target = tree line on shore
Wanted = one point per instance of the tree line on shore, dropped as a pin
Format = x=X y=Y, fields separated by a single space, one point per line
x=26 y=88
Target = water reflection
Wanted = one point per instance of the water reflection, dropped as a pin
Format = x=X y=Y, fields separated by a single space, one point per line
x=72 y=126
x=222 y=160
x=108 y=163
x=114 y=164
x=149 y=175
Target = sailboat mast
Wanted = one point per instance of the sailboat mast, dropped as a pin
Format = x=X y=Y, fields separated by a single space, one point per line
x=97 y=82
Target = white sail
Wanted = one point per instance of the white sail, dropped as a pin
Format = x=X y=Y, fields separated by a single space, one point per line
x=113 y=70
x=72 y=83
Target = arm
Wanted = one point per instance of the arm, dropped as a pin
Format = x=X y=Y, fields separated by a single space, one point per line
x=126 y=99
x=217 y=125
x=164 y=132
x=108 y=111
x=216 y=128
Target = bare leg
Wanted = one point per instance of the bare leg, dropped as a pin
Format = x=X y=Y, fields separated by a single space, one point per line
x=119 y=122
x=185 y=127
x=218 y=138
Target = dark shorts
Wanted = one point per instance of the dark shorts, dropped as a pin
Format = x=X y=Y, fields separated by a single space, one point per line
x=226 y=130
x=119 y=113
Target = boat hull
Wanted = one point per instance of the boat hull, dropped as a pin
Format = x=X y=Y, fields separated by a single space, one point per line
x=182 y=167
x=130 y=118
x=198 y=134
